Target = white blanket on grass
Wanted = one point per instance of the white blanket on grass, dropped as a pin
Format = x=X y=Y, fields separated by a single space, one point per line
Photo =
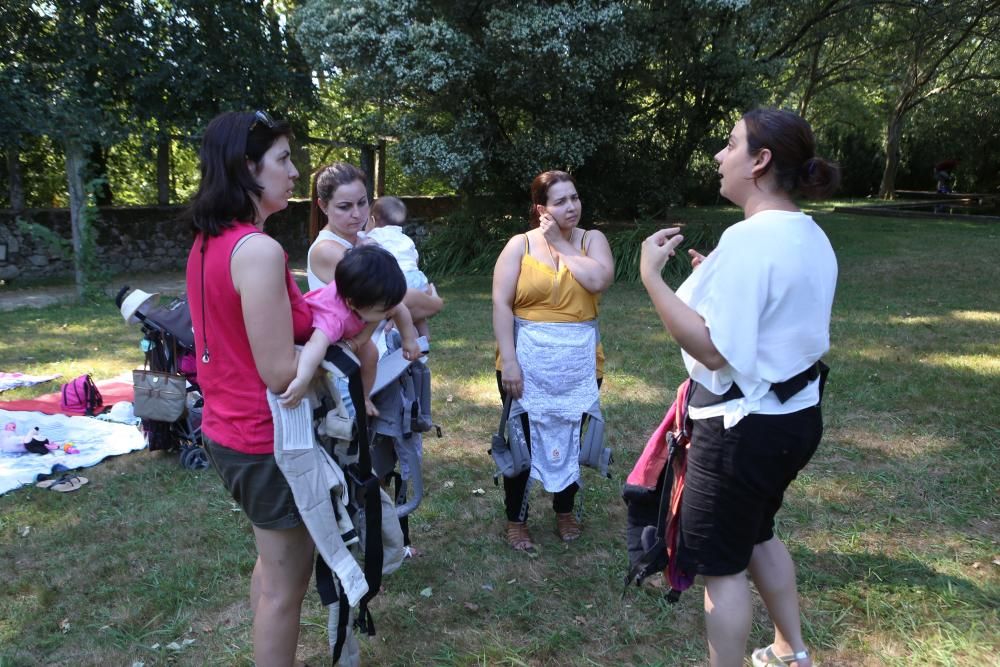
x=95 y=439
x=15 y=380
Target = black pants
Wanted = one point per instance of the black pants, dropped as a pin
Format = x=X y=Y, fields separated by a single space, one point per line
x=514 y=488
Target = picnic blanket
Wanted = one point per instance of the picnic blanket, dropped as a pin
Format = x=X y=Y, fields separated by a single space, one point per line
x=95 y=439
x=112 y=391
x=15 y=380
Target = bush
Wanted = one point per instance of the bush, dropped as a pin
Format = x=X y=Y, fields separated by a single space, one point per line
x=469 y=243
x=626 y=246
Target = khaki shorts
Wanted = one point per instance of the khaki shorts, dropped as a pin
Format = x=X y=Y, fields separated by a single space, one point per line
x=257 y=485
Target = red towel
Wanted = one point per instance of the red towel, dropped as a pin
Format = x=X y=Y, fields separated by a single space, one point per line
x=112 y=391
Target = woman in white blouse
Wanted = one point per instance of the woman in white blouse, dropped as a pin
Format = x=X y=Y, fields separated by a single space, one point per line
x=752 y=322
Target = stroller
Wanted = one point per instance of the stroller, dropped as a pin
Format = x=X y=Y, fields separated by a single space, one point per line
x=168 y=342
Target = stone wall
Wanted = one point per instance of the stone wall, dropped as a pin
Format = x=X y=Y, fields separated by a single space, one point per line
x=153 y=239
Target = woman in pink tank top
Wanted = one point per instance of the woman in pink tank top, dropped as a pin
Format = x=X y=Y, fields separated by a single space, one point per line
x=247 y=312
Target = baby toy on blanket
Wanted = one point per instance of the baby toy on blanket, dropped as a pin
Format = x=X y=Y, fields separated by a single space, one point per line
x=11 y=442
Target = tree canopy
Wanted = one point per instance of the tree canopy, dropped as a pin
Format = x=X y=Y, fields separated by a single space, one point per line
x=633 y=96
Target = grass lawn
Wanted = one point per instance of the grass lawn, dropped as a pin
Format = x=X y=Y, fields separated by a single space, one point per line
x=894 y=525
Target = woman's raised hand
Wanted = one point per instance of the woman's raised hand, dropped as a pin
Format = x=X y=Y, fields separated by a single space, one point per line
x=696 y=258
x=657 y=249
x=548 y=226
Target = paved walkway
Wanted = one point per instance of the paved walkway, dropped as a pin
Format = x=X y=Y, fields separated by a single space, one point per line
x=167 y=284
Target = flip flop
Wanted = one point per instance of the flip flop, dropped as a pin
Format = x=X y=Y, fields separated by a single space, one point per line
x=69 y=483
x=64 y=484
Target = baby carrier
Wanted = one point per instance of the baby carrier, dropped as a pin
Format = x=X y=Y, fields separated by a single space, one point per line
x=168 y=343
x=402 y=395
x=335 y=464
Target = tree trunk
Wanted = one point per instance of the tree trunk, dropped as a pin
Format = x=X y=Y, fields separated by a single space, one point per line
x=98 y=163
x=163 y=171
x=368 y=166
x=893 y=137
x=76 y=165
x=302 y=158
x=380 y=168
x=14 y=180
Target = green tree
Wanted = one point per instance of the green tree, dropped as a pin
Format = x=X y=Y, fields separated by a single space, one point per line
x=22 y=95
x=933 y=48
x=484 y=95
x=202 y=59
x=698 y=65
x=488 y=94
x=88 y=73
x=79 y=57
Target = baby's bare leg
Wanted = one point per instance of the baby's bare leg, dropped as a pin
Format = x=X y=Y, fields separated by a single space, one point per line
x=422 y=328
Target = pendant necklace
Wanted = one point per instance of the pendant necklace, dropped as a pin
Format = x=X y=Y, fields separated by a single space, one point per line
x=555 y=275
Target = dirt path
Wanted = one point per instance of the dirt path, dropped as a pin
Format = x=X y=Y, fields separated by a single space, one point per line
x=167 y=284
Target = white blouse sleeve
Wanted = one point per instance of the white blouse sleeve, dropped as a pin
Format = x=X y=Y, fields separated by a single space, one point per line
x=730 y=291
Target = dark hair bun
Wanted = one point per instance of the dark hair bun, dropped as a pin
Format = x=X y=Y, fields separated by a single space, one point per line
x=818 y=178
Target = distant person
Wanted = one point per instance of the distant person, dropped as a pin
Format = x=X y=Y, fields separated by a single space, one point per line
x=752 y=321
x=944 y=174
x=386 y=229
x=547 y=284
x=246 y=312
x=367 y=288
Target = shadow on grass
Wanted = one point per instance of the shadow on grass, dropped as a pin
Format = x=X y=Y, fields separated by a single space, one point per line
x=830 y=570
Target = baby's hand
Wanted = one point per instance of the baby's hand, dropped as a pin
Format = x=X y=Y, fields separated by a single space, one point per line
x=411 y=351
x=294 y=393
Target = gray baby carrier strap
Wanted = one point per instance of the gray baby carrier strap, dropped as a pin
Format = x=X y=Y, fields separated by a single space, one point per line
x=404 y=407
x=593 y=453
x=370 y=509
x=508 y=447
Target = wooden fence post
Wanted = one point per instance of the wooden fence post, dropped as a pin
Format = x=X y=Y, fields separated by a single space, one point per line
x=368 y=166
x=380 y=168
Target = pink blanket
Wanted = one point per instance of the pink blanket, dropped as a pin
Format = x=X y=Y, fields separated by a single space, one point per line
x=112 y=391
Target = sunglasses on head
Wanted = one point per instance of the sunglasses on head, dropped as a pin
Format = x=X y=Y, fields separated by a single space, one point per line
x=262 y=118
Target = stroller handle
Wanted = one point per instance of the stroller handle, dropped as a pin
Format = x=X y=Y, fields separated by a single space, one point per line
x=121 y=296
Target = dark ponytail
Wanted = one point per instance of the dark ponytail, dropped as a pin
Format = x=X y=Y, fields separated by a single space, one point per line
x=797 y=169
x=818 y=178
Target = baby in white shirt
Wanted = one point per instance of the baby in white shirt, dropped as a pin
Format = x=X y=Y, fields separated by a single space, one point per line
x=386 y=229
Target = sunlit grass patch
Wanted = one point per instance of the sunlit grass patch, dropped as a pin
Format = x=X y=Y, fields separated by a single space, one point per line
x=979 y=364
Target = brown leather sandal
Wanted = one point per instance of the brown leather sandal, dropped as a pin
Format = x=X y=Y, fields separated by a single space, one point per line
x=567 y=526
x=518 y=536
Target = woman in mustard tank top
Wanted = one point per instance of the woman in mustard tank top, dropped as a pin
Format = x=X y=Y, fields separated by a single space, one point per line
x=546 y=287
